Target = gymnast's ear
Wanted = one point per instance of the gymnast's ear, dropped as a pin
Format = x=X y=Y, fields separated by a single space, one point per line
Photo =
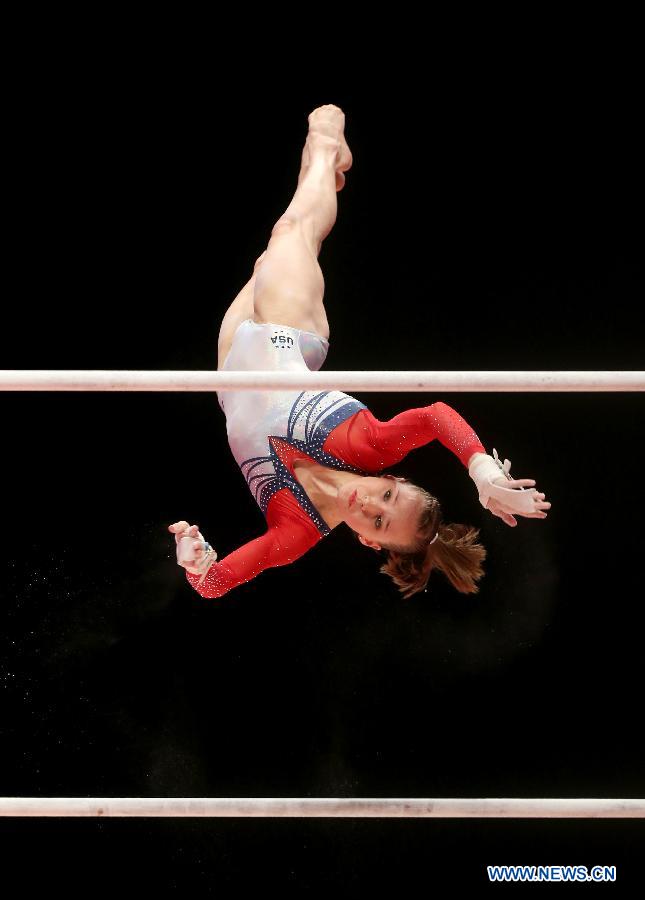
x=367 y=543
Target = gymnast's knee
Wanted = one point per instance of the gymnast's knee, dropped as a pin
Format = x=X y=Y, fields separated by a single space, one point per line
x=284 y=225
x=258 y=261
x=305 y=228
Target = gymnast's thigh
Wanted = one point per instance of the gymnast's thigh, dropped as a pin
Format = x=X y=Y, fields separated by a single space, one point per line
x=289 y=284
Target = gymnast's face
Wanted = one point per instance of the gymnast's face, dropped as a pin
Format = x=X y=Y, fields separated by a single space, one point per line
x=381 y=510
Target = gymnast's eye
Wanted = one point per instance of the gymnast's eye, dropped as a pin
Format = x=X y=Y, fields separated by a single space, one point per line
x=378 y=520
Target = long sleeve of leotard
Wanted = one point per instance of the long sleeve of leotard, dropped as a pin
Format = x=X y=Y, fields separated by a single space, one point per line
x=289 y=535
x=363 y=442
x=372 y=445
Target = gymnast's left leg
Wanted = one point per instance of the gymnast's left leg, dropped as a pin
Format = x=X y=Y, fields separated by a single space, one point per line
x=287 y=284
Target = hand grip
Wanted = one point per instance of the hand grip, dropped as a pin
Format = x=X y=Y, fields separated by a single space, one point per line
x=186 y=550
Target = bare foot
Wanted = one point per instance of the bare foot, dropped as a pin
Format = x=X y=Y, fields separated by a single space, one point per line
x=330 y=121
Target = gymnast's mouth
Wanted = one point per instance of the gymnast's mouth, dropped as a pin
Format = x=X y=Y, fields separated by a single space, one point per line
x=352 y=498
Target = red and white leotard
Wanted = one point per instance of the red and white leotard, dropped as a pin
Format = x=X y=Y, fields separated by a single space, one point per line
x=269 y=430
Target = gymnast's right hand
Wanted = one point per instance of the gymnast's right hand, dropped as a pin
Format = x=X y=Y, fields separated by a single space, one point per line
x=193 y=552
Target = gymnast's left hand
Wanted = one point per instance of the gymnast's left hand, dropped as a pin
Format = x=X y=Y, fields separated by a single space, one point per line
x=504 y=509
x=504 y=496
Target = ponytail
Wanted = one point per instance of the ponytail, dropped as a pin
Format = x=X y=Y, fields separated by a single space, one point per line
x=455 y=552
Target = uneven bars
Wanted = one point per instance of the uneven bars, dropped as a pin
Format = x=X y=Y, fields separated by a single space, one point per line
x=104 y=380
x=326 y=807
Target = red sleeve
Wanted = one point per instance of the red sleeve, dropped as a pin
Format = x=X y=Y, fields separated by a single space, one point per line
x=372 y=445
x=287 y=538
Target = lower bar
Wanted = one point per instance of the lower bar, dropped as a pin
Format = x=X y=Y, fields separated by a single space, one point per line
x=269 y=807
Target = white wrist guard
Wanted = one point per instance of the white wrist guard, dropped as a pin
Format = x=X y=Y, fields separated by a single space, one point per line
x=485 y=471
x=186 y=555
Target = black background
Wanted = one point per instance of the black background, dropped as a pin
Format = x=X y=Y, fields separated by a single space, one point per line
x=491 y=221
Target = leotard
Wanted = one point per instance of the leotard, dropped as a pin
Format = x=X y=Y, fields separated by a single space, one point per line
x=269 y=430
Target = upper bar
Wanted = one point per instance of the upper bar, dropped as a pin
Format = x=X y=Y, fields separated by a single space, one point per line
x=294 y=807
x=102 y=380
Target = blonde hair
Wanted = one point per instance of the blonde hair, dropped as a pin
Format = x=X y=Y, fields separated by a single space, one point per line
x=456 y=552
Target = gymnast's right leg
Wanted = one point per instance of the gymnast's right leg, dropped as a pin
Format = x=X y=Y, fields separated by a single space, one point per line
x=240 y=309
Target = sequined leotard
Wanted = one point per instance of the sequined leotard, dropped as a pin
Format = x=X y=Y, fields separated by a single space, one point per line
x=269 y=430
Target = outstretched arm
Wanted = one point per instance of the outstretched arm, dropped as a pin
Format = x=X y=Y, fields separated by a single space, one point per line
x=414 y=428
x=498 y=492
x=278 y=546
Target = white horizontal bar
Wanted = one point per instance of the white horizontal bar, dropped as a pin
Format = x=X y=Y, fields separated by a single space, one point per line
x=322 y=807
x=102 y=380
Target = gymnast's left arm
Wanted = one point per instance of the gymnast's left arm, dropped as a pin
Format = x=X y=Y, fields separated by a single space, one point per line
x=498 y=492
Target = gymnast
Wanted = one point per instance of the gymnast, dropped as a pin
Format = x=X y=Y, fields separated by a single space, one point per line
x=315 y=459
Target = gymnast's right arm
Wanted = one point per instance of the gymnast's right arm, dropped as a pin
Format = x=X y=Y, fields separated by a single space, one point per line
x=280 y=545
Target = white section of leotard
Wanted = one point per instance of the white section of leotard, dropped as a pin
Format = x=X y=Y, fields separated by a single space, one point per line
x=253 y=416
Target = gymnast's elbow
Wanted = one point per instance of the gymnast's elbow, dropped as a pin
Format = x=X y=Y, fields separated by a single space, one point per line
x=211 y=588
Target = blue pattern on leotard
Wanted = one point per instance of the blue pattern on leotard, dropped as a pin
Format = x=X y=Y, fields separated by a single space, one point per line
x=316 y=428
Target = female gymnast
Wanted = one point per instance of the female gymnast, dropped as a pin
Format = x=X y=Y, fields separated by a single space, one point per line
x=313 y=459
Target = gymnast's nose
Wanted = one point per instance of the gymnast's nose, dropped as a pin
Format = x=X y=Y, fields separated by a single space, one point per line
x=369 y=507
